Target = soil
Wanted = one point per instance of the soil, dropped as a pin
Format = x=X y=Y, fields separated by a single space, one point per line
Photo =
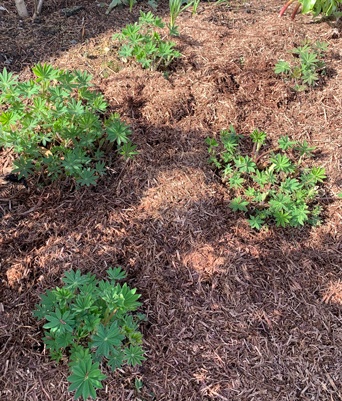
x=232 y=313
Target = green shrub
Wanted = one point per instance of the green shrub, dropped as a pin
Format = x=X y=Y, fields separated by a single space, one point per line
x=57 y=125
x=143 y=43
x=271 y=186
x=88 y=321
x=307 y=68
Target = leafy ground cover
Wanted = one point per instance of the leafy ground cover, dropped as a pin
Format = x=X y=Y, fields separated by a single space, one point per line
x=231 y=313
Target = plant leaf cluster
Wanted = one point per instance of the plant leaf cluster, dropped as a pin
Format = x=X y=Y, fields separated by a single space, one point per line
x=273 y=185
x=90 y=321
x=307 y=68
x=315 y=7
x=56 y=125
x=142 y=42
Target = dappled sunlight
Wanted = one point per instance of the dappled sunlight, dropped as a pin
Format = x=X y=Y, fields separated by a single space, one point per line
x=333 y=293
x=204 y=260
x=174 y=188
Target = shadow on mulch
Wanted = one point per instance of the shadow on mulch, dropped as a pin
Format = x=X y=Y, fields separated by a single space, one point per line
x=224 y=304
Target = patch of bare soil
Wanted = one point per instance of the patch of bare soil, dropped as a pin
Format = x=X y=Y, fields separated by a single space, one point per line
x=233 y=314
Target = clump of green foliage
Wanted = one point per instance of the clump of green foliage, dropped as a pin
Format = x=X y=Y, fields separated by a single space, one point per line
x=58 y=125
x=307 y=68
x=272 y=185
x=89 y=321
x=315 y=7
x=177 y=7
x=142 y=42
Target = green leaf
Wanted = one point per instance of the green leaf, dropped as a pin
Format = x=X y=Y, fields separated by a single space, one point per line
x=45 y=72
x=46 y=305
x=318 y=174
x=59 y=322
x=238 y=204
x=299 y=215
x=7 y=80
x=87 y=176
x=117 y=131
x=116 y=273
x=236 y=181
x=256 y=221
x=230 y=140
x=285 y=143
x=74 y=279
x=282 y=163
x=245 y=164
x=290 y=185
x=116 y=359
x=304 y=149
x=280 y=202
x=85 y=379
x=134 y=355
x=258 y=137
x=128 y=150
x=282 y=67
x=282 y=218
x=106 y=339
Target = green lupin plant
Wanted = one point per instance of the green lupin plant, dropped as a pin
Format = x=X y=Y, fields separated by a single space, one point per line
x=88 y=321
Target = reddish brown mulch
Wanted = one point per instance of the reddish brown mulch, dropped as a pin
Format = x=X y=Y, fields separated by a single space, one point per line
x=233 y=314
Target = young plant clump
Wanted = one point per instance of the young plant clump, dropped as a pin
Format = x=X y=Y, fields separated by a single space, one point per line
x=271 y=186
x=143 y=43
x=89 y=321
x=308 y=68
x=57 y=125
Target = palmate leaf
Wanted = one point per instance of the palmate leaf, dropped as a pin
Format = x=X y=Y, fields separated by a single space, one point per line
x=116 y=359
x=282 y=218
x=290 y=185
x=318 y=174
x=238 y=204
x=59 y=322
x=282 y=67
x=75 y=279
x=45 y=72
x=86 y=378
x=128 y=150
x=116 y=273
x=236 y=181
x=46 y=305
x=129 y=297
x=230 y=140
x=107 y=339
x=285 y=143
x=245 y=164
x=299 y=215
x=87 y=177
x=282 y=163
x=7 y=79
x=256 y=221
x=117 y=131
x=134 y=355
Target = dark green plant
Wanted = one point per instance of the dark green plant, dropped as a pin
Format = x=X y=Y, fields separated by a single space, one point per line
x=89 y=321
x=57 y=125
x=273 y=185
x=142 y=42
x=307 y=68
